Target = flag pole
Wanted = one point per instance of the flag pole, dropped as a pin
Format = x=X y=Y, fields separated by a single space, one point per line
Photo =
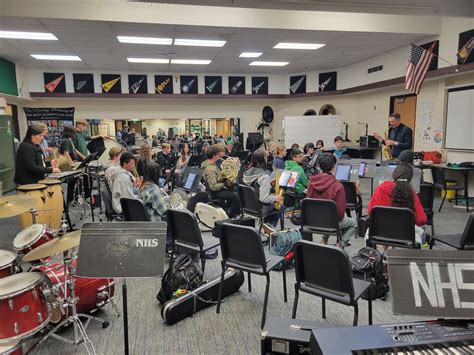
x=444 y=60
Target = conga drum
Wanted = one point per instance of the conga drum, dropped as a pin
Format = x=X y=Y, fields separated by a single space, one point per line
x=54 y=199
x=38 y=192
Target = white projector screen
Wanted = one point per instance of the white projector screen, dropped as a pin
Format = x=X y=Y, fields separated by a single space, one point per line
x=460 y=119
x=305 y=129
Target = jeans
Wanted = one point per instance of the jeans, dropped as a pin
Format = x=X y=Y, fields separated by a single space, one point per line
x=349 y=229
x=231 y=199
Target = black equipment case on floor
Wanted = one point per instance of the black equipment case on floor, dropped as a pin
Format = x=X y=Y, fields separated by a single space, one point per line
x=202 y=297
x=289 y=336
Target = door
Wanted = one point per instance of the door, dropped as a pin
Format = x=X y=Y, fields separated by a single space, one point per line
x=405 y=105
x=223 y=128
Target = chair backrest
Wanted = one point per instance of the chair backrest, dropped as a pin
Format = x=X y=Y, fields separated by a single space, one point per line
x=107 y=198
x=184 y=227
x=324 y=267
x=393 y=226
x=351 y=192
x=467 y=239
x=134 y=210
x=242 y=245
x=319 y=214
x=438 y=176
x=249 y=200
x=426 y=196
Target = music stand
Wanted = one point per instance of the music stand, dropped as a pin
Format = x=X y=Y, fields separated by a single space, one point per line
x=122 y=250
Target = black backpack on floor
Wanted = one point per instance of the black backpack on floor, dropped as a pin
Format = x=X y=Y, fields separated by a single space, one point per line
x=184 y=272
x=368 y=265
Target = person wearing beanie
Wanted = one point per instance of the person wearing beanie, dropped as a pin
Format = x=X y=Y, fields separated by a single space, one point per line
x=325 y=186
x=407 y=156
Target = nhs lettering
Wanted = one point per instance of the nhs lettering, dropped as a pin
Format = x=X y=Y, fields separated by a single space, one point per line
x=149 y=243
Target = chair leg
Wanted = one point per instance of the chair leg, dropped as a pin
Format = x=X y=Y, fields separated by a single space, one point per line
x=356 y=314
x=295 y=302
x=432 y=243
x=203 y=260
x=324 y=308
x=249 y=281
x=285 y=297
x=456 y=197
x=265 y=301
x=432 y=226
x=442 y=202
x=282 y=219
x=370 y=305
x=219 y=298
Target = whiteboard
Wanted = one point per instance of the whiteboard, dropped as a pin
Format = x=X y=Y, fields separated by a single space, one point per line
x=305 y=129
x=460 y=119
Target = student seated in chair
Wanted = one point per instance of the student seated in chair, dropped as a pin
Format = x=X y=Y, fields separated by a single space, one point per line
x=113 y=165
x=325 y=186
x=221 y=188
x=150 y=193
x=400 y=193
x=295 y=164
x=124 y=184
x=256 y=177
x=279 y=158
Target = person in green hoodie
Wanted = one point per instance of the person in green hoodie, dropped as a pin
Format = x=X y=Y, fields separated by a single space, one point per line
x=294 y=164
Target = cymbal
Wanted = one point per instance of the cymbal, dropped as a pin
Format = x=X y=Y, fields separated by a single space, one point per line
x=55 y=246
x=15 y=205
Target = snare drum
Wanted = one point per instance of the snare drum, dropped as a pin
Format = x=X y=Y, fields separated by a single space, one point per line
x=38 y=192
x=31 y=238
x=22 y=306
x=54 y=202
x=14 y=348
x=8 y=264
x=91 y=293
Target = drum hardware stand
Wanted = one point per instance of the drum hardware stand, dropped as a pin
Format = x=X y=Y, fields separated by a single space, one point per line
x=80 y=334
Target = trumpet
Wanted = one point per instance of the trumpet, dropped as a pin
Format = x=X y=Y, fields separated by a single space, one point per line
x=387 y=150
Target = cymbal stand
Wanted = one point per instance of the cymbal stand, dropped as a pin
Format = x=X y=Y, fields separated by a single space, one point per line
x=34 y=213
x=80 y=334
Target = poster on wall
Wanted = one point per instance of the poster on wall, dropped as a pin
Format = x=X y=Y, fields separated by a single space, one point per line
x=298 y=84
x=110 y=83
x=434 y=61
x=163 y=84
x=137 y=84
x=466 y=47
x=327 y=81
x=54 y=83
x=213 y=85
x=259 y=85
x=237 y=85
x=54 y=118
x=189 y=84
x=83 y=83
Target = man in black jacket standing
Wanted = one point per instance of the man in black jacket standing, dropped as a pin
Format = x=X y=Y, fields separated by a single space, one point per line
x=30 y=166
x=400 y=137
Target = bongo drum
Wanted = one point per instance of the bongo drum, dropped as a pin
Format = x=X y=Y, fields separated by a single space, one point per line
x=38 y=192
x=54 y=201
x=8 y=264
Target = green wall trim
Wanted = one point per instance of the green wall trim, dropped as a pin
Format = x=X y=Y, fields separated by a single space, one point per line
x=8 y=83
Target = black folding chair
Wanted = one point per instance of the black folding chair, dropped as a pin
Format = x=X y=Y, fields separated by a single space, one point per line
x=109 y=208
x=440 y=183
x=464 y=240
x=242 y=250
x=186 y=234
x=319 y=216
x=325 y=271
x=353 y=201
x=134 y=210
x=426 y=196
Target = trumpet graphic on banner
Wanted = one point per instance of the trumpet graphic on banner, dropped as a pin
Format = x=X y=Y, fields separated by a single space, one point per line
x=186 y=87
x=296 y=85
x=257 y=88
x=110 y=84
x=212 y=85
x=52 y=85
x=160 y=87
x=136 y=85
x=324 y=84
x=236 y=87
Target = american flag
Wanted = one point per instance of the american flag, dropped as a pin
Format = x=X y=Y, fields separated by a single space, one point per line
x=417 y=67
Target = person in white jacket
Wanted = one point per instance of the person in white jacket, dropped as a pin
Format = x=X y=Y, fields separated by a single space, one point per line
x=124 y=184
x=257 y=177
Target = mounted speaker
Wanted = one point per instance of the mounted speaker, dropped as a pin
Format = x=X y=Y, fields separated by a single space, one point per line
x=267 y=114
x=327 y=109
x=310 y=112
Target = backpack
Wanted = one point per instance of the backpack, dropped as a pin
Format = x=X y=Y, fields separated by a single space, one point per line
x=207 y=215
x=368 y=265
x=283 y=246
x=184 y=272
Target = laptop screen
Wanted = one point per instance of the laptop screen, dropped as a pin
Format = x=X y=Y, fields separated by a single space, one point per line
x=343 y=172
x=189 y=181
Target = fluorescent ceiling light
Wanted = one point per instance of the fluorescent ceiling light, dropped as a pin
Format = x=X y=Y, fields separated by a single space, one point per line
x=250 y=54
x=145 y=40
x=190 y=61
x=283 y=45
x=198 y=42
x=41 y=36
x=74 y=58
x=269 y=64
x=148 y=60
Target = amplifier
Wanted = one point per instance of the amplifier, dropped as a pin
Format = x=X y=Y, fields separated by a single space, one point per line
x=368 y=142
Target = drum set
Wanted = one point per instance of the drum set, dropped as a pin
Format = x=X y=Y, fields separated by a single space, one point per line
x=39 y=291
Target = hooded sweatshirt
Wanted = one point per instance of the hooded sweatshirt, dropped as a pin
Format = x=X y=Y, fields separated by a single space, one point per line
x=111 y=169
x=302 y=182
x=325 y=186
x=383 y=197
x=213 y=176
x=258 y=175
x=122 y=188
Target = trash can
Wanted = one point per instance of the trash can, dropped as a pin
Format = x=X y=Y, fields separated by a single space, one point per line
x=450 y=194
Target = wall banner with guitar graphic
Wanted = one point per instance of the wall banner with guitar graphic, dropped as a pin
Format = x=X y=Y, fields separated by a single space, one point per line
x=137 y=84
x=83 y=83
x=327 y=81
x=163 y=84
x=213 y=85
x=110 y=84
x=54 y=83
x=259 y=85
x=189 y=84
